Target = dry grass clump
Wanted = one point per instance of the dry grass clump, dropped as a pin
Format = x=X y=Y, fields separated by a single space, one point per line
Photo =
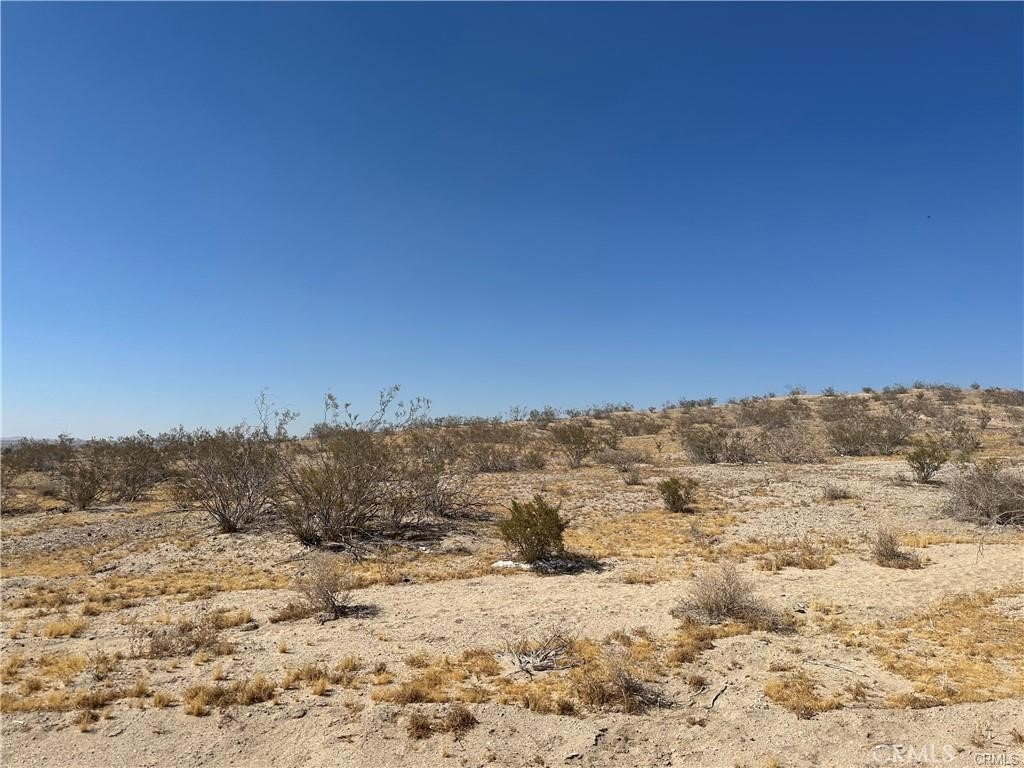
x=962 y=649
x=724 y=595
x=181 y=639
x=798 y=693
x=802 y=553
x=886 y=551
x=62 y=700
x=293 y=611
x=655 y=533
x=65 y=627
x=319 y=678
x=200 y=697
x=456 y=721
x=693 y=638
x=835 y=492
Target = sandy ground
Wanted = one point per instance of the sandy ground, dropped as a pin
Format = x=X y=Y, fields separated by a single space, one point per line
x=856 y=623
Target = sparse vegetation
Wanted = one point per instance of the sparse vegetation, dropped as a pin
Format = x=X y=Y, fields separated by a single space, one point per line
x=400 y=504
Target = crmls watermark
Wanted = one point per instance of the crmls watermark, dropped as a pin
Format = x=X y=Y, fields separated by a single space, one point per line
x=999 y=758
x=924 y=754
x=913 y=753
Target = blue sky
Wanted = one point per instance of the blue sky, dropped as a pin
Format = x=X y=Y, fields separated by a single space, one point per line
x=501 y=204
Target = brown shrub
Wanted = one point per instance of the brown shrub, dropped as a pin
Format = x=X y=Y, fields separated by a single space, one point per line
x=988 y=493
x=886 y=551
x=723 y=595
x=325 y=586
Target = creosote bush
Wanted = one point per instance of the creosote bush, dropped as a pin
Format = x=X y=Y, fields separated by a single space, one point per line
x=926 y=457
x=231 y=474
x=83 y=480
x=576 y=439
x=853 y=428
x=678 y=494
x=533 y=530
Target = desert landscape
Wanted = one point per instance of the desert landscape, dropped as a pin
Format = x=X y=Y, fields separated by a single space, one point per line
x=782 y=580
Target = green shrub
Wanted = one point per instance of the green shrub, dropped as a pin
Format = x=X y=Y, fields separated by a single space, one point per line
x=533 y=530
x=926 y=457
x=678 y=494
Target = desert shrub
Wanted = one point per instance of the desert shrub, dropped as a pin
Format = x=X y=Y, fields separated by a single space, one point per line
x=493 y=446
x=886 y=551
x=134 y=465
x=576 y=439
x=31 y=455
x=703 y=443
x=9 y=501
x=853 y=429
x=325 y=586
x=355 y=483
x=533 y=459
x=738 y=448
x=926 y=457
x=84 y=478
x=988 y=492
x=542 y=417
x=796 y=443
x=622 y=460
x=533 y=530
x=231 y=474
x=710 y=444
x=181 y=639
x=678 y=494
x=635 y=424
x=998 y=396
x=958 y=435
x=771 y=414
x=984 y=418
x=835 y=492
x=723 y=595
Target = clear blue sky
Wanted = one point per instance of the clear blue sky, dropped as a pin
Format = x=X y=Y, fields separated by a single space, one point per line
x=501 y=204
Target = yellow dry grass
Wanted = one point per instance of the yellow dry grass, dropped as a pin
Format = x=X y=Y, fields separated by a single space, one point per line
x=654 y=533
x=799 y=693
x=962 y=649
